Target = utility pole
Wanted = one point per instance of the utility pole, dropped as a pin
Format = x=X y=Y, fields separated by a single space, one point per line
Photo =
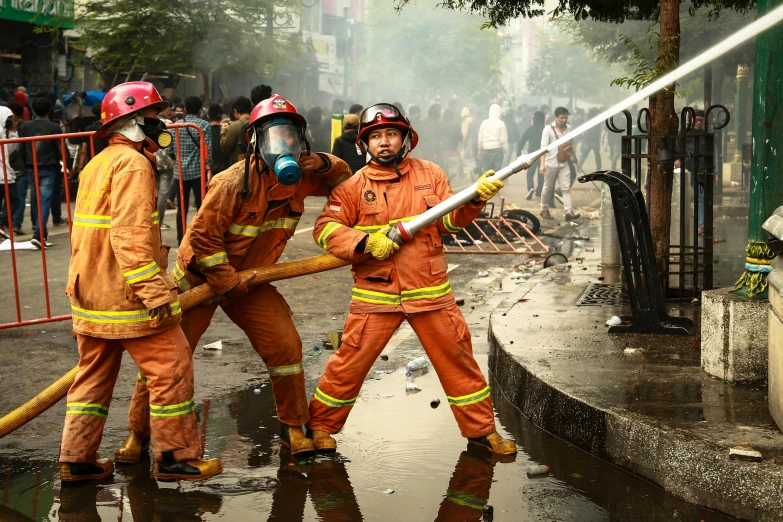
x=766 y=174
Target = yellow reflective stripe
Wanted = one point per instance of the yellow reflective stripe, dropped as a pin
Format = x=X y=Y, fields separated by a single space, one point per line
x=155 y=218
x=375 y=228
x=448 y=225
x=246 y=230
x=179 y=277
x=253 y=231
x=469 y=399
x=91 y=220
x=320 y=396
x=427 y=293
x=205 y=263
x=86 y=408
x=280 y=371
x=369 y=296
x=465 y=499
x=326 y=232
x=118 y=317
x=174 y=410
x=142 y=378
x=141 y=274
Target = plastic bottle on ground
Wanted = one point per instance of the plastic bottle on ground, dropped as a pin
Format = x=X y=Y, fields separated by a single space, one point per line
x=418 y=364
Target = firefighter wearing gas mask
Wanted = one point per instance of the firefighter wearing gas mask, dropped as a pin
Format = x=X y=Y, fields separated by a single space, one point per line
x=122 y=299
x=395 y=283
x=249 y=213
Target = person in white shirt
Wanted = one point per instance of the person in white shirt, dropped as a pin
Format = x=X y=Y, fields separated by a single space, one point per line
x=8 y=123
x=554 y=169
x=493 y=141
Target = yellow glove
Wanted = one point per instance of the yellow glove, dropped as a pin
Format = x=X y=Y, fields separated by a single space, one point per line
x=380 y=246
x=488 y=187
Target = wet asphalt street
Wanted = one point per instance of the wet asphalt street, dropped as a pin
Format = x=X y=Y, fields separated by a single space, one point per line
x=398 y=458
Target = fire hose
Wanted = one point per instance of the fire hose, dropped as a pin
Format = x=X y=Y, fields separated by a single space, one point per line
x=404 y=231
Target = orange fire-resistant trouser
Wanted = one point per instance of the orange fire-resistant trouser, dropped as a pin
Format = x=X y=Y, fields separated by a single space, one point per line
x=446 y=339
x=266 y=319
x=469 y=487
x=165 y=360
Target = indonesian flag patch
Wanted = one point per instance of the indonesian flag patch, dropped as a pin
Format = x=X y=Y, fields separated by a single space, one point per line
x=335 y=206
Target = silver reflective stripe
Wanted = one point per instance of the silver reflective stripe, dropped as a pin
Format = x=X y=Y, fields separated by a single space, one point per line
x=140 y=274
x=91 y=220
x=279 y=371
x=172 y=411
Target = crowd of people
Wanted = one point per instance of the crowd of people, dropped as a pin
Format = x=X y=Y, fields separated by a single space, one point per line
x=464 y=139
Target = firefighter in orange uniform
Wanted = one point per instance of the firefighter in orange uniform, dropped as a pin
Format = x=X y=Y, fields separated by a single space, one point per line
x=122 y=298
x=250 y=211
x=398 y=283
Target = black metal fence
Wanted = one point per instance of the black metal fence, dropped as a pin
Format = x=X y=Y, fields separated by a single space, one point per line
x=689 y=262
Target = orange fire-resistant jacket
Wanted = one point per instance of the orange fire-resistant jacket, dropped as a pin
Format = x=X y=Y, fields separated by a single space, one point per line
x=413 y=279
x=118 y=264
x=231 y=233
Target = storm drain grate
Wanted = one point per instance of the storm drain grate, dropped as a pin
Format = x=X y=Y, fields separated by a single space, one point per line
x=601 y=294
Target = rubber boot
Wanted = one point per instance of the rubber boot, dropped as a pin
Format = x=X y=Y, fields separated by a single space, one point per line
x=168 y=470
x=76 y=471
x=495 y=443
x=293 y=438
x=322 y=441
x=131 y=450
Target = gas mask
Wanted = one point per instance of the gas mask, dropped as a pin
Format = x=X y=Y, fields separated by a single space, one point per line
x=155 y=130
x=280 y=144
x=137 y=127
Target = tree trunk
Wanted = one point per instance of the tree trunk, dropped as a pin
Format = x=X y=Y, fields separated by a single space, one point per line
x=663 y=122
x=205 y=74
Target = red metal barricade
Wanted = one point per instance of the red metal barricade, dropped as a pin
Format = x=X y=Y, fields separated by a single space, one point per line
x=19 y=321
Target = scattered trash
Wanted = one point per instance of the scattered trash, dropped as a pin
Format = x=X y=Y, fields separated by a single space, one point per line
x=316 y=348
x=335 y=339
x=745 y=452
x=487 y=513
x=478 y=242
x=573 y=223
x=302 y=462
x=384 y=372
x=217 y=345
x=735 y=184
x=417 y=364
x=516 y=275
x=631 y=351
x=384 y=357
x=388 y=492
x=460 y=301
x=695 y=300
x=483 y=273
x=527 y=275
x=555 y=258
x=522 y=299
x=316 y=352
x=576 y=475
x=537 y=471
x=409 y=386
x=601 y=278
x=465 y=242
x=257 y=391
x=589 y=249
x=578 y=244
x=385 y=395
x=434 y=403
x=334 y=318
x=614 y=321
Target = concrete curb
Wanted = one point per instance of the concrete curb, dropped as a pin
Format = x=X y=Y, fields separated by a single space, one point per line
x=684 y=465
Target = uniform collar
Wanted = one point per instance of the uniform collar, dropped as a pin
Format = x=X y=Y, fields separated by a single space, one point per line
x=381 y=173
x=119 y=139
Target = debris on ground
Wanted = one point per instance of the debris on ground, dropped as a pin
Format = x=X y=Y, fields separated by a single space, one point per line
x=409 y=386
x=537 y=471
x=460 y=301
x=614 y=321
x=434 y=403
x=522 y=299
x=257 y=391
x=335 y=339
x=631 y=351
x=388 y=491
x=217 y=345
x=384 y=357
x=745 y=451
x=384 y=372
x=385 y=395
x=418 y=364
x=483 y=273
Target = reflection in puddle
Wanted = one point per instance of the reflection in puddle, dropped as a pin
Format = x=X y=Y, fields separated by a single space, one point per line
x=399 y=459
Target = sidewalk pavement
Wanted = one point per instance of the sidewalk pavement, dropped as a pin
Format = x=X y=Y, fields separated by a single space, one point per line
x=651 y=410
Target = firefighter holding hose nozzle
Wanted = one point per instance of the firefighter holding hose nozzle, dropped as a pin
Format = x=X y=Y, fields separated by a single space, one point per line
x=249 y=213
x=122 y=298
x=399 y=282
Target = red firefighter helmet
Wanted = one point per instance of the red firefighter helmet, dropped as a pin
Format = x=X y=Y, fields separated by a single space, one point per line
x=273 y=107
x=127 y=98
x=385 y=115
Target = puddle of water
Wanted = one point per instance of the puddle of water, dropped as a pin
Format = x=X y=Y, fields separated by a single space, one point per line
x=393 y=441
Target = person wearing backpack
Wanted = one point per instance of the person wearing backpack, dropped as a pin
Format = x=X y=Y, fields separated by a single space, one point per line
x=556 y=166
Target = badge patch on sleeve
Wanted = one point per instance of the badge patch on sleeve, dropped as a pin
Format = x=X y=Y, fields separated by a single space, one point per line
x=335 y=206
